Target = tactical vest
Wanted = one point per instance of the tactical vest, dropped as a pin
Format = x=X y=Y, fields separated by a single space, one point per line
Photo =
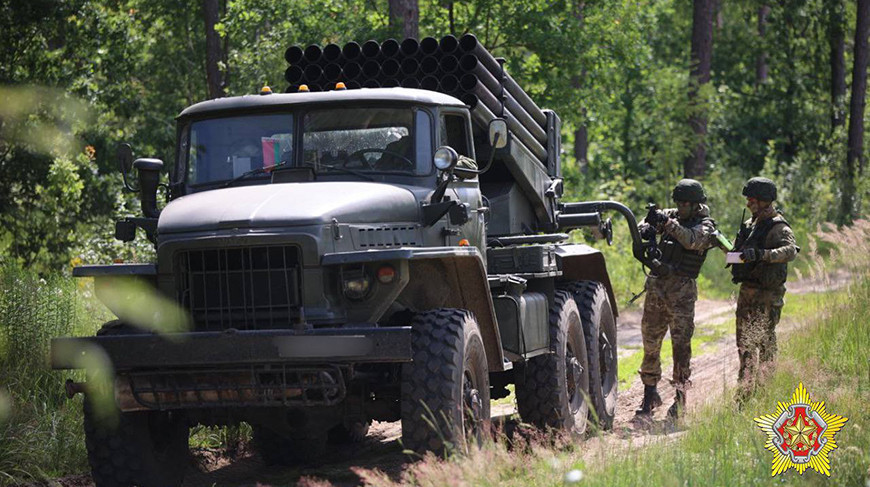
x=682 y=261
x=767 y=275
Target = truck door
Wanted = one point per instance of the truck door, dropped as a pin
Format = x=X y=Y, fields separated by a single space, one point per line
x=455 y=131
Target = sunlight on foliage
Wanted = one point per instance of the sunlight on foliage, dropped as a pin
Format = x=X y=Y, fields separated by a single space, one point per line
x=41 y=118
x=140 y=305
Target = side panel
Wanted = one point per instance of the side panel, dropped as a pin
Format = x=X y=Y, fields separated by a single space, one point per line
x=580 y=262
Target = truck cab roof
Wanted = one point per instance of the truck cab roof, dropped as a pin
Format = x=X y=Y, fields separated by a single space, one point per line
x=247 y=102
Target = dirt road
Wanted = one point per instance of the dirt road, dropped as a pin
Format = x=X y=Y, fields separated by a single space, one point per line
x=714 y=370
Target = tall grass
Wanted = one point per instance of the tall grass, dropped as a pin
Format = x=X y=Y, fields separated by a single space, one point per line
x=40 y=429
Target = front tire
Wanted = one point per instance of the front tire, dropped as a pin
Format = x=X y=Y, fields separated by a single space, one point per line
x=552 y=388
x=144 y=448
x=445 y=390
x=147 y=449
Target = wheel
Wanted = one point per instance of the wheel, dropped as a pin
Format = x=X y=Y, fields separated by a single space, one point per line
x=278 y=449
x=445 y=390
x=144 y=448
x=147 y=448
x=551 y=389
x=599 y=327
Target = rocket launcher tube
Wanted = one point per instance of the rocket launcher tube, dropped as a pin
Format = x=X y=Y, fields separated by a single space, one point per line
x=472 y=84
x=470 y=45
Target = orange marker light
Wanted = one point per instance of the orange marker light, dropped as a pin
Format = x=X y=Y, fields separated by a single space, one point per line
x=303 y=88
x=340 y=86
x=386 y=274
x=265 y=90
x=464 y=242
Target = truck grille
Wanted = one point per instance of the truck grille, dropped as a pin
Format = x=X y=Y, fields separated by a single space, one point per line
x=247 y=288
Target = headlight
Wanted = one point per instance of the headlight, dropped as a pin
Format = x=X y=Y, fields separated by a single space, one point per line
x=445 y=158
x=356 y=284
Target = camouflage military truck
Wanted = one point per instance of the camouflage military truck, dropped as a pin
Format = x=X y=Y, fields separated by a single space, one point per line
x=348 y=255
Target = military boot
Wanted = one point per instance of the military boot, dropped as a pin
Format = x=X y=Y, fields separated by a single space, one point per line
x=679 y=406
x=651 y=400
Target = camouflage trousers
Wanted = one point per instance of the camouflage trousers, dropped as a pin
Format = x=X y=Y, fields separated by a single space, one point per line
x=669 y=305
x=758 y=312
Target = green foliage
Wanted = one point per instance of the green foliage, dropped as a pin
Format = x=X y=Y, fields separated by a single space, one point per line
x=40 y=428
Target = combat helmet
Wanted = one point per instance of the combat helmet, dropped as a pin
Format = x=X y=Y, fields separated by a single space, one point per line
x=762 y=189
x=689 y=190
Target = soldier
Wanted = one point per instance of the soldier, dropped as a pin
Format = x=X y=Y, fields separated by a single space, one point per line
x=767 y=244
x=671 y=291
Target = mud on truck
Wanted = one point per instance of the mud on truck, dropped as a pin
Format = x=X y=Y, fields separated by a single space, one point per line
x=384 y=241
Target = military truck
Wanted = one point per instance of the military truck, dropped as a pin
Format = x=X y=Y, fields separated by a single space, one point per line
x=354 y=255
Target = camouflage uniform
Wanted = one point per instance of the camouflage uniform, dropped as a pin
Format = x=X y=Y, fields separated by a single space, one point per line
x=762 y=287
x=670 y=301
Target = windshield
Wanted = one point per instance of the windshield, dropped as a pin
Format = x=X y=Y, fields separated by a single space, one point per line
x=225 y=148
x=362 y=140
x=341 y=141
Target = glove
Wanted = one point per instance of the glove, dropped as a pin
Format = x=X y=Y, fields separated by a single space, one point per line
x=668 y=225
x=751 y=254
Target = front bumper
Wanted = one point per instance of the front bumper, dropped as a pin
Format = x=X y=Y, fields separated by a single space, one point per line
x=237 y=348
x=231 y=369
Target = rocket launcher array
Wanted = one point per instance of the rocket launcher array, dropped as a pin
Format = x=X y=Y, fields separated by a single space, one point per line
x=462 y=68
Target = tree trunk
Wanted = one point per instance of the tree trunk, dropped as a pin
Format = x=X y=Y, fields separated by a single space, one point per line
x=702 y=53
x=761 y=62
x=213 y=50
x=836 y=38
x=854 y=155
x=581 y=145
x=405 y=14
x=581 y=137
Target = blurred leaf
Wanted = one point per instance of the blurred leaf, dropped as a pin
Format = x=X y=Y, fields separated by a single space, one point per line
x=140 y=305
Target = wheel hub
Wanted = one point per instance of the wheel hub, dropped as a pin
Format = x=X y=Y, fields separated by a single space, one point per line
x=473 y=403
x=574 y=371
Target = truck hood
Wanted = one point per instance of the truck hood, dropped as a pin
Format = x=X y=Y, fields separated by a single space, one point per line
x=289 y=204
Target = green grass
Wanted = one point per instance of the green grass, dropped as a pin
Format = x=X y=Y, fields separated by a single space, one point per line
x=41 y=433
x=40 y=430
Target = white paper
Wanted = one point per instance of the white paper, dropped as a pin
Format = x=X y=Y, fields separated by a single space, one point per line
x=241 y=165
x=733 y=258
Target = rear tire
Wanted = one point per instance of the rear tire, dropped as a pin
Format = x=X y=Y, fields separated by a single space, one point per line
x=148 y=448
x=445 y=390
x=552 y=389
x=599 y=328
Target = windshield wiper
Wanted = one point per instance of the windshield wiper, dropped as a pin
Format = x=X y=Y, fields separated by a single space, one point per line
x=350 y=171
x=253 y=172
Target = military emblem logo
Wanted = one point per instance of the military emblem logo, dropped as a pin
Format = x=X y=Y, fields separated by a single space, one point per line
x=801 y=434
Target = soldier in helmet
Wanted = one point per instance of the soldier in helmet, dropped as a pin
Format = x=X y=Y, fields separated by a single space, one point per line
x=687 y=232
x=767 y=244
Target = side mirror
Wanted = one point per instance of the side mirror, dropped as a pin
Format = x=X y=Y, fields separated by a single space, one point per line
x=149 y=179
x=124 y=153
x=498 y=133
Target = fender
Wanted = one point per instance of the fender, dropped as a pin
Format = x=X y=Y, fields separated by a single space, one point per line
x=580 y=262
x=442 y=277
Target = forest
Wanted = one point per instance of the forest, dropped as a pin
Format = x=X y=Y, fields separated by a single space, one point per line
x=778 y=91
x=649 y=92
